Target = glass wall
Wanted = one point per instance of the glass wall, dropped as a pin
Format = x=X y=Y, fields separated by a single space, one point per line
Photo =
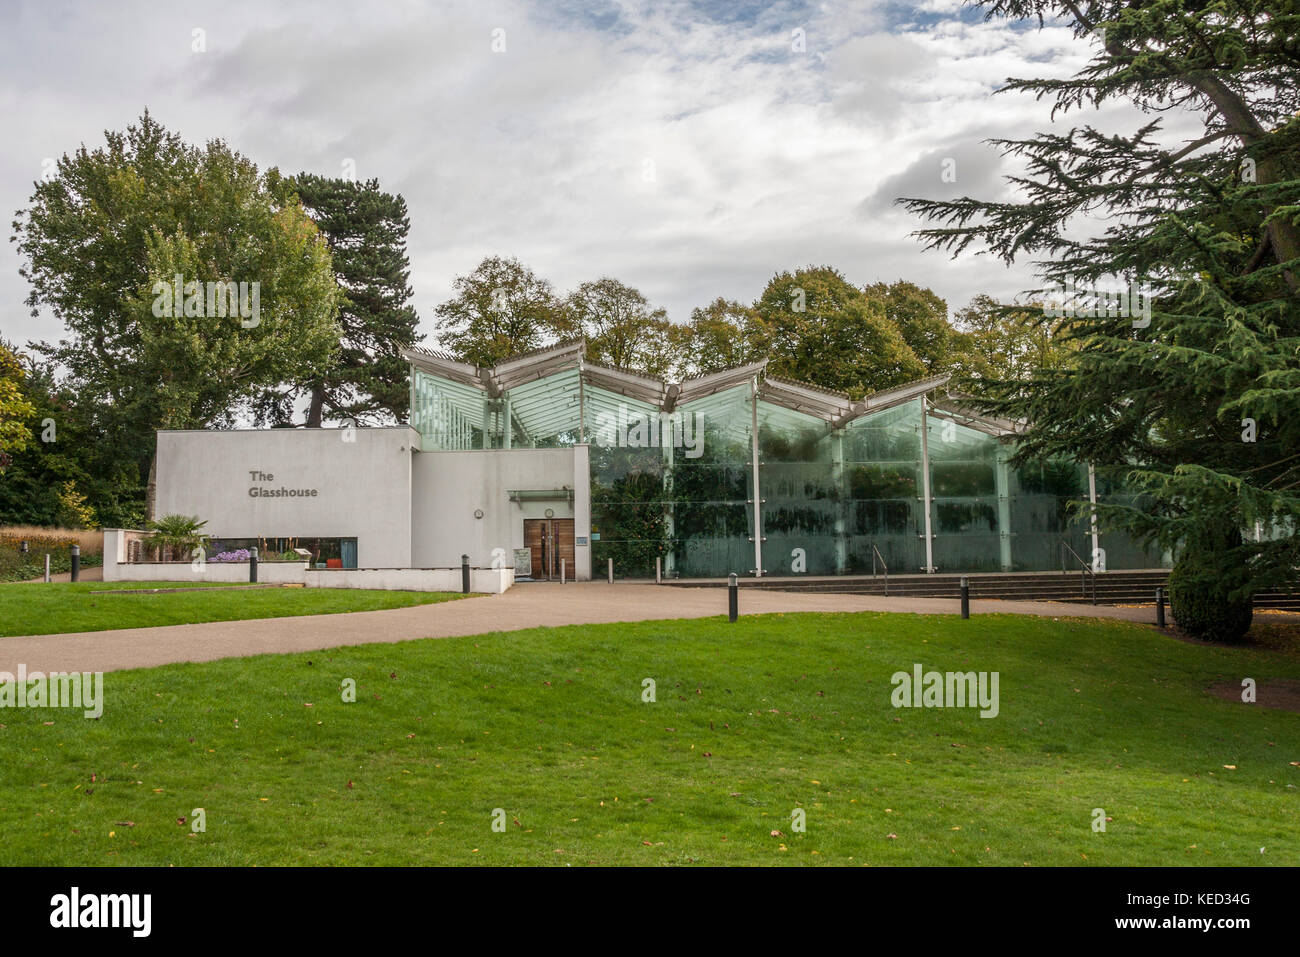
x=1040 y=515
x=679 y=486
x=628 y=496
x=802 y=486
x=1119 y=550
x=448 y=415
x=964 y=498
x=712 y=515
x=882 y=468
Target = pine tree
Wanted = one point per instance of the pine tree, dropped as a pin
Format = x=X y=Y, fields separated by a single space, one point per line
x=1195 y=400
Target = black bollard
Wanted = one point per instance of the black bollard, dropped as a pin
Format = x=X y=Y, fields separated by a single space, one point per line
x=965 y=597
x=733 y=598
x=464 y=574
x=76 y=562
x=1160 y=607
x=252 y=565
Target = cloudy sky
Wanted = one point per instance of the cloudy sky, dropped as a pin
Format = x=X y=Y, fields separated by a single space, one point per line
x=690 y=149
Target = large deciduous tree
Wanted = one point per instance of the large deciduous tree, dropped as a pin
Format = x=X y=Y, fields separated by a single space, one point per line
x=501 y=309
x=366 y=229
x=922 y=320
x=817 y=327
x=721 y=335
x=125 y=244
x=1197 y=402
x=621 y=328
x=1006 y=344
x=15 y=407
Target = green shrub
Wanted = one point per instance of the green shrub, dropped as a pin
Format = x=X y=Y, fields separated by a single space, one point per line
x=17 y=567
x=1200 y=584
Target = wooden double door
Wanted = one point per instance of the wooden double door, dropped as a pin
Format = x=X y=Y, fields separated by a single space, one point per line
x=551 y=541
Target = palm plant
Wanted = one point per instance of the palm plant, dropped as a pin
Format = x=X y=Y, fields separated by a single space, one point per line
x=172 y=533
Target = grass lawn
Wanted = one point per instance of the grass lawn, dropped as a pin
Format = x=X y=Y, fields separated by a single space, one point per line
x=41 y=609
x=752 y=721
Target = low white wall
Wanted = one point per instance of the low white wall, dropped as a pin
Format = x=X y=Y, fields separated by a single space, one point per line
x=481 y=580
x=273 y=573
x=114 y=552
x=484 y=581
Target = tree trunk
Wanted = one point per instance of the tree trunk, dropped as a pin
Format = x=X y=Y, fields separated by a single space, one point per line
x=317 y=406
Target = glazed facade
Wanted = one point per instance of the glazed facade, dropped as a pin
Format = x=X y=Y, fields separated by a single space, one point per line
x=749 y=473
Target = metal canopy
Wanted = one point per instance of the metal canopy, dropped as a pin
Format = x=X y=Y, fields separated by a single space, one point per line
x=990 y=425
x=552 y=390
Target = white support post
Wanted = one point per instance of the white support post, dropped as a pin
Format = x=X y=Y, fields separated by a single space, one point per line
x=925 y=487
x=670 y=508
x=841 y=502
x=1004 y=508
x=1092 y=519
x=582 y=407
x=758 y=498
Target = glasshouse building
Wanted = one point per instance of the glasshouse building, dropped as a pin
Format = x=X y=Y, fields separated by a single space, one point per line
x=743 y=471
x=550 y=466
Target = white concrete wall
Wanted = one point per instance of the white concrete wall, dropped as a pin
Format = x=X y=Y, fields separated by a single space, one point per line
x=406 y=508
x=448 y=487
x=582 y=511
x=362 y=486
x=229 y=572
x=114 y=552
x=481 y=580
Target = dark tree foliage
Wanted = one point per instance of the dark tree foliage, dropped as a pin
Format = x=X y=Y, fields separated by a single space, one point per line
x=1199 y=407
x=71 y=445
x=366 y=229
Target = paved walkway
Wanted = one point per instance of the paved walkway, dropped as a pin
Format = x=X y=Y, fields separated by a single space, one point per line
x=524 y=606
x=95 y=574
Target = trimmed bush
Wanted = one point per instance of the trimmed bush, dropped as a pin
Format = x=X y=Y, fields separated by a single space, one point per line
x=1199 y=587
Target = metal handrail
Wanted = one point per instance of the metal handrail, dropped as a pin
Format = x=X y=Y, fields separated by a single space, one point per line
x=1087 y=577
x=875 y=553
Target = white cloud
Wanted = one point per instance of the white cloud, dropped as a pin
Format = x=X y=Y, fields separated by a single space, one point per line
x=762 y=156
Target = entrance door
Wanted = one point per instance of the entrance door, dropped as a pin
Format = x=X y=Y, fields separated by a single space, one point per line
x=550 y=540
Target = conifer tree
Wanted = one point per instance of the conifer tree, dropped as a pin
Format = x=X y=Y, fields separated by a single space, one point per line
x=1196 y=401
